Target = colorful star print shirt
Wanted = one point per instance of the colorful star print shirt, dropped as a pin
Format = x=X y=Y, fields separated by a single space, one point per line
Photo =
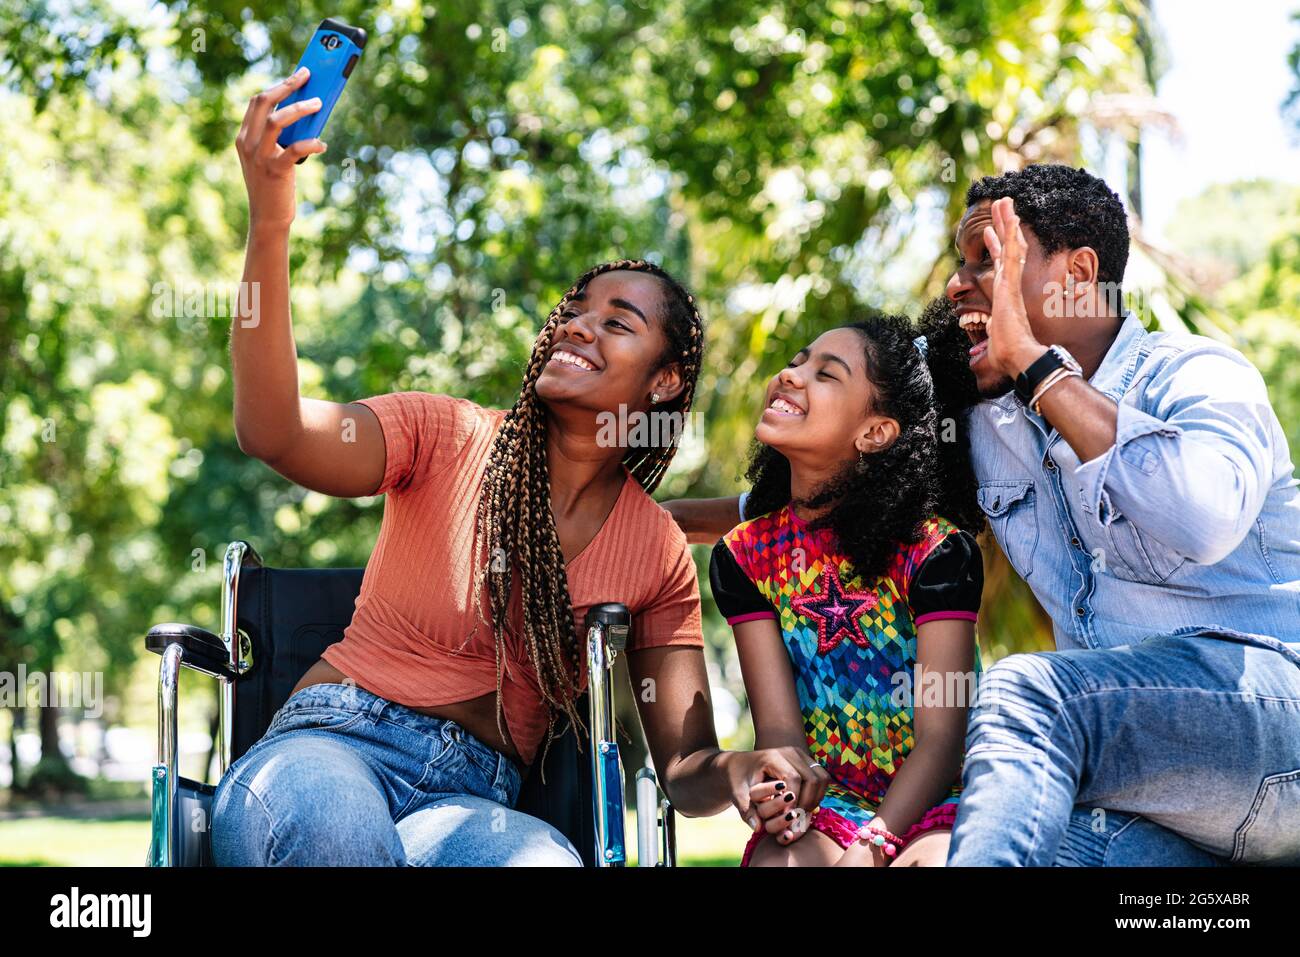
x=852 y=644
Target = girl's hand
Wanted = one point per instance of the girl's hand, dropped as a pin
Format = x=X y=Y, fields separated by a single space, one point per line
x=761 y=781
x=777 y=807
x=269 y=169
x=1012 y=346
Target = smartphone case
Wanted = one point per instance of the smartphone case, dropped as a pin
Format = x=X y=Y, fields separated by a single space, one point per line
x=331 y=55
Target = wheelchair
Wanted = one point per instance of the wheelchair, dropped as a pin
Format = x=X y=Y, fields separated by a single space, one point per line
x=275 y=622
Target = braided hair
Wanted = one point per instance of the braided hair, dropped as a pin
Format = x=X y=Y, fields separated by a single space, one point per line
x=514 y=524
x=906 y=482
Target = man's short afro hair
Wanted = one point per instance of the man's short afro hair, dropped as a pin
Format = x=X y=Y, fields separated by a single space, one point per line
x=1066 y=208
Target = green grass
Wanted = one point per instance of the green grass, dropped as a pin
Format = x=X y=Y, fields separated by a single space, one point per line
x=123 y=841
x=703 y=841
x=74 y=842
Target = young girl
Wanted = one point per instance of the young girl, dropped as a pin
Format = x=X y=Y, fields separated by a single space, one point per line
x=854 y=602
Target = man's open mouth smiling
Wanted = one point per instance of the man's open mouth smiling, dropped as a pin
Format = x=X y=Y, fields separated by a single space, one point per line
x=975 y=323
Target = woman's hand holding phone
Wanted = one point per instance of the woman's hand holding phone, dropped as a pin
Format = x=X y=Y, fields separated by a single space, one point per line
x=269 y=168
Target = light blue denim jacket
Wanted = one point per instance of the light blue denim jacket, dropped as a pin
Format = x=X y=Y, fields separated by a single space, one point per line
x=1191 y=520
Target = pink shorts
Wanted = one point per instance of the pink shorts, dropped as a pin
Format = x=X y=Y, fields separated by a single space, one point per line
x=844 y=832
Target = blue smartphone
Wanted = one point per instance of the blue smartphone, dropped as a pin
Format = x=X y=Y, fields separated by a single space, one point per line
x=330 y=56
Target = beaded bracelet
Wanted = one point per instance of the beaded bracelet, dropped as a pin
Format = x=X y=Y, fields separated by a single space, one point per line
x=888 y=842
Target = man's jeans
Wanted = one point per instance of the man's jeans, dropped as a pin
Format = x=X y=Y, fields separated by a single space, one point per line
x=344 y=777
x=1094 y=756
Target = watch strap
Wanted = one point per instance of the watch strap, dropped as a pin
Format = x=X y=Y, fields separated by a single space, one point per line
x=1027 y=382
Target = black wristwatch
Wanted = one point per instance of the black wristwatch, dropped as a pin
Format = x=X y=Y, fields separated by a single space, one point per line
x=1054 y=358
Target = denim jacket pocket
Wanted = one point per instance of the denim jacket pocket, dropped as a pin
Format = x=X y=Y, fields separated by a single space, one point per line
x=1270 y=834
x=1009 y=505
x=1135 y=557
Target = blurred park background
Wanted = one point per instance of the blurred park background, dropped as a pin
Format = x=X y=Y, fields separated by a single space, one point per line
x=795 y=163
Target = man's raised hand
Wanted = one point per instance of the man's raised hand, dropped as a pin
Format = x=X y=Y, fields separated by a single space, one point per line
x=1012 y=345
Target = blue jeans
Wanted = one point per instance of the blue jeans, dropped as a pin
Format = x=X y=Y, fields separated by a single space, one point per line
x=1181 y=749
x=345 y=777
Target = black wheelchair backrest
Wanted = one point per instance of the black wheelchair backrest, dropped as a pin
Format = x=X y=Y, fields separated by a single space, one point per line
x=291 y=615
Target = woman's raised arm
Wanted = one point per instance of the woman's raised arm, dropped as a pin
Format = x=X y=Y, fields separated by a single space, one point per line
x=329 y=447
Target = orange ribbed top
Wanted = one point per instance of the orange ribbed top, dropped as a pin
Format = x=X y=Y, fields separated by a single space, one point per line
x=416 y=638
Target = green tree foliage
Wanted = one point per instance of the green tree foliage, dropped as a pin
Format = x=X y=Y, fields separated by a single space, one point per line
x=1231 y=226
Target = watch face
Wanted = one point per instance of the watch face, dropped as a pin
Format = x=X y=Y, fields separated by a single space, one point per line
x=1069 y=361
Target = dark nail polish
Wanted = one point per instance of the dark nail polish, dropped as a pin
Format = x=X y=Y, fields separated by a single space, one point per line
x=789 y=815
x=789 y=797
x=780 y=786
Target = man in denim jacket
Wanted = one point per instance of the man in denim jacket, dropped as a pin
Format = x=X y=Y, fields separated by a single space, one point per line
x=1151 y=504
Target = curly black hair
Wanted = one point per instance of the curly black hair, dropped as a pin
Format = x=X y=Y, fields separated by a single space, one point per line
x=1066 y=208
x=883 y=500
x=955 y=392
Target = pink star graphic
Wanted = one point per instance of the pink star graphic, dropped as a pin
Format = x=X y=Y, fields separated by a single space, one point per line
x=836 y=611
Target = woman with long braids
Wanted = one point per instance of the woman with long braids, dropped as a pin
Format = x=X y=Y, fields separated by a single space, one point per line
x=408 y=741
x=852 y=587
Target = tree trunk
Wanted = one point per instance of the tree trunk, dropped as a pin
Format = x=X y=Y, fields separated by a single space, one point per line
x=18 y=721
x=49 y=725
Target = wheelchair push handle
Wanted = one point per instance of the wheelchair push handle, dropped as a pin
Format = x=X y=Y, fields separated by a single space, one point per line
x=614 y=619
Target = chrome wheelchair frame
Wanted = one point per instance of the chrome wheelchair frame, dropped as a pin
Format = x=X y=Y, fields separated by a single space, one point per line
x=229 y=657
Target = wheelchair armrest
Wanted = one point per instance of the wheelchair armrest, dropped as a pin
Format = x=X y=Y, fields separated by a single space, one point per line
x=202 y=650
